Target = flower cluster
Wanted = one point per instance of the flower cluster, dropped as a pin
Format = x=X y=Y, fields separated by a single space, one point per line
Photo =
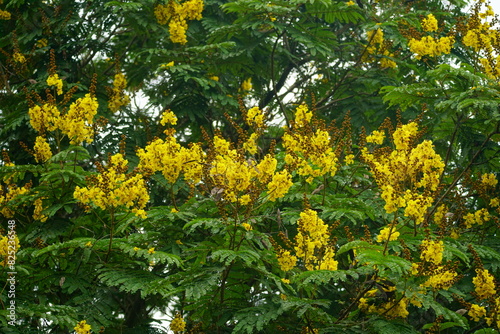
x=37 y=212
x=484 y=284
x=4 y=15
x=82 y=327
x=477 y=218
x=489 y=180
x=388 y=233
x=377 y=50
x=312 y=245
x=8 y=195
x=171 y=159
x=54 y=80
x=254 y=116
x=477 y=312
x=393 y=308
x=176 y=15
x=117 y=96
x=168 y=117
x=178 y=324
x=6 y=247
x=234 y=175
x=408 y=174
x=309 y=151
x=430 y=45
x=113 y=187
x=432 y=251
x=286 y=260
x=441 y=279
x=42 y=149
x=76 y=123
x=430 y=24
x=484 y=39
x=19 y=58
x=246 y=85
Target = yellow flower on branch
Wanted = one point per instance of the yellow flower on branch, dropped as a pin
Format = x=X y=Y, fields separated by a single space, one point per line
x=476 y=312
x=113 y=187
x=19 y=58
x=489 y=180
x=42 y=149
x=484 y=284
x=4 y=15
x=377 y=137
x=82 y=327
x=178 y=324
x=54 y=80
x=117 y=97
x=6 y=248
x=246 y=85
x=432 y=251
x=430 y=23
x=388 y=233
x=168 y=117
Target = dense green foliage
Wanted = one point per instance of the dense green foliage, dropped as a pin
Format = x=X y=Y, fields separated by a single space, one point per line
x=124 y=210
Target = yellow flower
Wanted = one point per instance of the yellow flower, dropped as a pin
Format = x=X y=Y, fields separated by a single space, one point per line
x=245 y=199
x=4 y=15
x=375 y=36
x=441 y=279
x=247 y=226
x=377 y=137
x=479 y=217
x=477 y=312
x=53 y=80
x=77 y=123
x=82 y=327
x=489 y=180
x=174 y=210
x=430 y=23
x=88 y=244
x=117 y=97
x=177 y=29
x=6 y=249
x=255 y=116
x=286 y=261
x=162 y=14
x=350 y=3
x=285 y=280
x=214 y=78
x=279 y=185
x=414 y=269
x=388 y=233
x=432 y=251
x=42 y=149
x=41 y=43
x=302 y=115
x=251 y=144
x=151 y=250
x=246 y=85
x=136 y=249
x=19 y=57
x=37 y=213
x=168 y=117
x=484 y=284
x=113 y=187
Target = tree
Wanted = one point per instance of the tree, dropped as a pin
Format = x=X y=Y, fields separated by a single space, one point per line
x=249 y=167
